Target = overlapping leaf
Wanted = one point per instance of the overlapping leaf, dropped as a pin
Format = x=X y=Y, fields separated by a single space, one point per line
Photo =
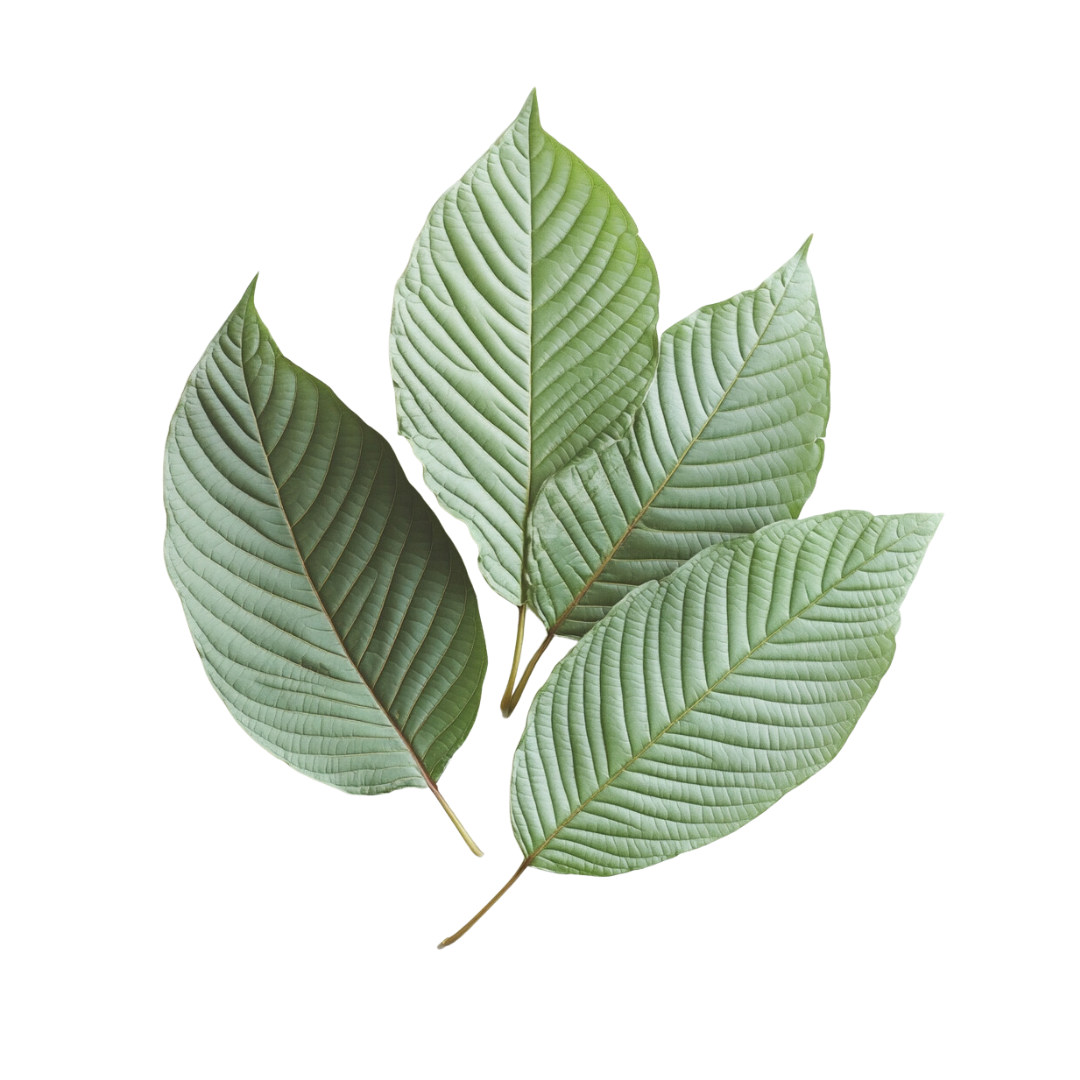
x=727 y=441
x=331 y=611
x=700 y=700
x=524 y=330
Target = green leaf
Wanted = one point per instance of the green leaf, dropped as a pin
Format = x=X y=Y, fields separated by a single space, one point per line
x=524 y=330
x=727 y=441
x=331 y=611
x=700 y=700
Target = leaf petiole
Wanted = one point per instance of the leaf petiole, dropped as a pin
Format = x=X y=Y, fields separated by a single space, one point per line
x=487 y=907
x=453 y=817
x=515 y=697
x=505 y=705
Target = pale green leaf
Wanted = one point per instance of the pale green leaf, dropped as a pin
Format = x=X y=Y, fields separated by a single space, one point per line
x=728 y=440
x=331 y=611
x=524 y=330
x=702 y=699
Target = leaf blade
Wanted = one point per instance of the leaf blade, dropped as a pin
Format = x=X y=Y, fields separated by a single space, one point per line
x=702 y=699
x=524 y=330
x=330 y=610
x=727 y=440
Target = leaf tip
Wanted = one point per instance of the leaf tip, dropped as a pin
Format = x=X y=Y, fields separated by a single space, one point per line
x=806 y=246
x=530 y=110
x=248 y=299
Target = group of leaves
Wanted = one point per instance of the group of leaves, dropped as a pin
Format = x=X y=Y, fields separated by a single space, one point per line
x=643 y=497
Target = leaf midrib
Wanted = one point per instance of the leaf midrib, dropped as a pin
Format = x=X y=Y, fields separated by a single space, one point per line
x=279 y=357
x=710 y=690
x=523 y=586
x=674 y=469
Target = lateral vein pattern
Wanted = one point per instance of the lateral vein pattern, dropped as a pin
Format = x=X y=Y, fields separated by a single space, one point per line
x=702 y=699
x=524 y=329
x=727 y=441
x=331 y=611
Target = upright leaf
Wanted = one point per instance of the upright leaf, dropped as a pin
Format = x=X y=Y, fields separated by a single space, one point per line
x=524 y=330
x=331 y=611
x=727 y=441
x=700 y=700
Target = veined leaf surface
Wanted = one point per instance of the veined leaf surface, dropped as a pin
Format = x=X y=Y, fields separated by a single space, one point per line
x=332 y=613
x=524 y=330
x=700 y=700
x=728 y=440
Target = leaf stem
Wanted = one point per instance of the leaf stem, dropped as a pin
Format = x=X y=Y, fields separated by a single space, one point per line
x=453 y=817
x=487 y=907
x=508 y=693
x=509 y=707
